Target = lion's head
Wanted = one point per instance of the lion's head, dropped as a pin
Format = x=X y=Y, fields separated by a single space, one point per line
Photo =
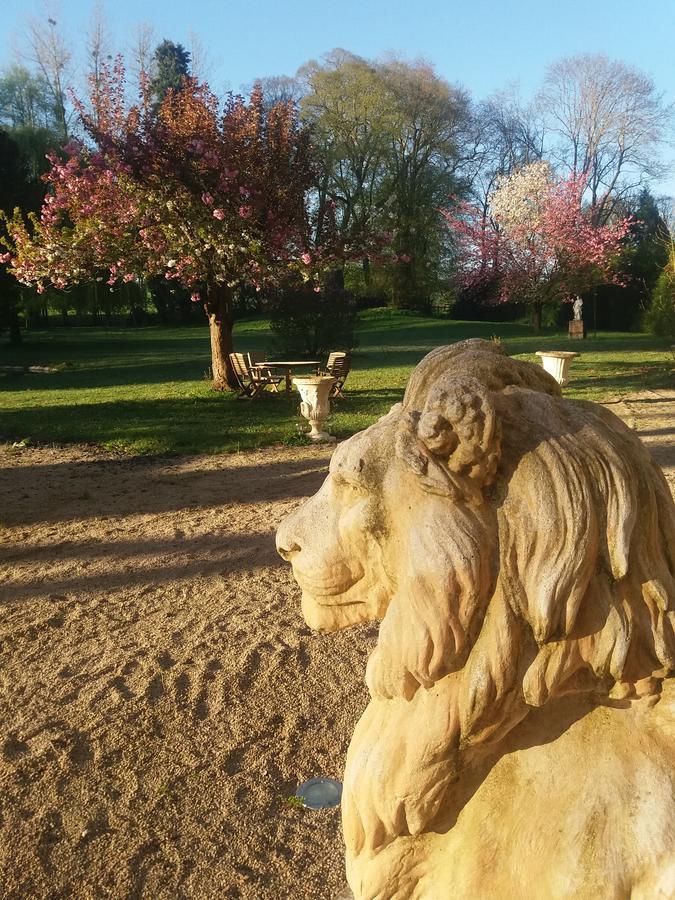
x=516 y=546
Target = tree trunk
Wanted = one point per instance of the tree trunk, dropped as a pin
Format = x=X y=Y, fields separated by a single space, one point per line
x=14 y=329
x=335 y=280
x=536 y=316
x=218 y=308
x=367 y=279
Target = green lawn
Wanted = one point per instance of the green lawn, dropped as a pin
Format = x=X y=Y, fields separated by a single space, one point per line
x=145 y=390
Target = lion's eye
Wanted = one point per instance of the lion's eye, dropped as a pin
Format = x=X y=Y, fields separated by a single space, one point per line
x=347 y=484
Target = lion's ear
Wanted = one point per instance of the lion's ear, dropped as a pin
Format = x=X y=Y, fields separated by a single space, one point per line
x=454 y=442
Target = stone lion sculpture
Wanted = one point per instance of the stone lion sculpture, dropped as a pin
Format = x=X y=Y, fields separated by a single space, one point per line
x=519 y=549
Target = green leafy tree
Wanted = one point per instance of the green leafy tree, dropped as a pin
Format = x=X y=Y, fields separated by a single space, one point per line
x=650 y=240
x=390 y=137
x=646 y=255
x=344 y=107
x=660 y=317
x=430 y=120
x=25 y=100
x=27 y=114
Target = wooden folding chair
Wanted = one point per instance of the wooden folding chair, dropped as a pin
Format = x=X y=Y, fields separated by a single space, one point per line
x=252 y=380
x=339 y=365
x=240 y=367
x=256 y=360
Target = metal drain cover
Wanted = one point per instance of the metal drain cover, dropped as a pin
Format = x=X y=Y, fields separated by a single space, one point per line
x=320 y=793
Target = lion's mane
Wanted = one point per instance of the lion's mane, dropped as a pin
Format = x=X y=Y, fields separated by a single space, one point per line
x=541 y=562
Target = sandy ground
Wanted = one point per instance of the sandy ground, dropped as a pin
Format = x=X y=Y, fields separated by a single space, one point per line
x=652 y=415
x=160 y=695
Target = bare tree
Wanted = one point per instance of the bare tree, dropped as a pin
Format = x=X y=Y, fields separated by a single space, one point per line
x=141 y=53
x=278 y=89
x=49 y=51
x=98 y=49
x=200 y=61
x=508 y=136
x=609 y=122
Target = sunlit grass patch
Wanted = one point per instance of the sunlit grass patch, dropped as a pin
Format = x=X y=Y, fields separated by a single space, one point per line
x=144 y=391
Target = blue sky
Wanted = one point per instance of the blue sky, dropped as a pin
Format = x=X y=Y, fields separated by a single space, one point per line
x=482 y=44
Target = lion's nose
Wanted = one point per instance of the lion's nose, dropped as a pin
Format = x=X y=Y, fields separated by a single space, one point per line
x=287 y=552
x=286 y=540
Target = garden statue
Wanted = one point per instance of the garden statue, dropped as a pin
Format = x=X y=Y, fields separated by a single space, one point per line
x=577 y=307
x=519 y=549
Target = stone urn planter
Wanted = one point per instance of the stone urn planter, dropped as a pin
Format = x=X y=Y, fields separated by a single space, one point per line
x=315 y=405
x=557 y=363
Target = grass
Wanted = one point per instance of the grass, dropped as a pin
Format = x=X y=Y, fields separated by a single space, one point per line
x=145 y=391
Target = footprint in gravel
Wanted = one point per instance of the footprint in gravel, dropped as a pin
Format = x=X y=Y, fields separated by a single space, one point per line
x=182 y=687
x=129 y=667
x=302 y=658
x=120 y=685
x=233 y=762
x=155 y=689
x=96 y=825
x=249 y=670
x=165 y=660
x=80 y=752
x=13 y=748
x=208 y=675
x=51 y=834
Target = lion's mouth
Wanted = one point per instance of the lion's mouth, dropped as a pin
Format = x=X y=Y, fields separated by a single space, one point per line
x=323 y=588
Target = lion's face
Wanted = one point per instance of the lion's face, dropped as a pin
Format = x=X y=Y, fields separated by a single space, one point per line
x=399 y=531
x=482 y=494
x=336 y=541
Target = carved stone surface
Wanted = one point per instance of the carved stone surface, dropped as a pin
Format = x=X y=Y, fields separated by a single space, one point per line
x=576 y=329
x=520 y=551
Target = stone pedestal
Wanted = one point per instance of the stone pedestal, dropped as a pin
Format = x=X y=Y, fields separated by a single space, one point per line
x=557 y=363
x=577 y=331
x=315 y=406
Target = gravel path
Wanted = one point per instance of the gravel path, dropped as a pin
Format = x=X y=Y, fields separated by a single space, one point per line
x=160 y=695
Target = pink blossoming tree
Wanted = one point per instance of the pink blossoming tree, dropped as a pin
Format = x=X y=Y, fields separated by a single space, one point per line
x=536 y=240
x=211 y=195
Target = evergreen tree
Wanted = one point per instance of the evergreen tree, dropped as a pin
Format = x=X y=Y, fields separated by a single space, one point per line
x=170 y=65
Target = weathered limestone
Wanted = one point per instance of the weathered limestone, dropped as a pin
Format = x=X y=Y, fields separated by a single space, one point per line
x=520 y=551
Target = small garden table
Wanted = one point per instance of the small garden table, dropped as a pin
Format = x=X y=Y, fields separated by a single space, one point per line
x=289 y=365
